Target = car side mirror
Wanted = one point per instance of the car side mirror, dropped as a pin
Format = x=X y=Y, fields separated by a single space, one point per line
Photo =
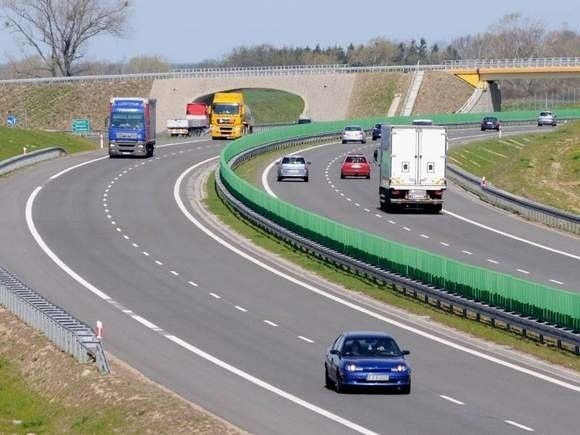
x=405 y=352
x=308 y=163
x=278 y=162
x=335 y=352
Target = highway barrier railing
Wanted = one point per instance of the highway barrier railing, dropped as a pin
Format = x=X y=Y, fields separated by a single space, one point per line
x=20 y=161
x=558 y=309
x=65 y=331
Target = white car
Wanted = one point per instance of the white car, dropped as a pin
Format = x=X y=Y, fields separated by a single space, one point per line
x=547 y=118
x=353 y=133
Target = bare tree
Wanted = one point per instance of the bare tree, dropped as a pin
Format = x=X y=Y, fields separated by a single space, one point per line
x=58 y=30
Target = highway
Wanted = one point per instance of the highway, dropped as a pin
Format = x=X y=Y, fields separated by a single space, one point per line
x=242 y=333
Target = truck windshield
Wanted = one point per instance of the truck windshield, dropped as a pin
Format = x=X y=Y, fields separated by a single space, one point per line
x=226 y=109
x=127 y=120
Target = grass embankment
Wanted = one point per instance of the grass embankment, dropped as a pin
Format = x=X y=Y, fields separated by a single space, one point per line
x=271 y=106
x=43 y=390
x=544 y=167
x=385 y=294
x=12 y=140
x=373 y=93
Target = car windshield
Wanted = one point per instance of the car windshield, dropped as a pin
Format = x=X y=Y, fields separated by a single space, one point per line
x=355 y=159
x=490 y=119
x=370 y=347
x=352 y=128
x=293 y=160
x=127 y=120
x=377 y=125
x=545 y=113
x=226 y=109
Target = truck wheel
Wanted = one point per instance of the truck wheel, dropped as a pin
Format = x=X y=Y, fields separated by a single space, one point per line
x=437 y=208
x=306 y=179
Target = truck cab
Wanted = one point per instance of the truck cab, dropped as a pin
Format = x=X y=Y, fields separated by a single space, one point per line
x=230 y=117
x=131 y=129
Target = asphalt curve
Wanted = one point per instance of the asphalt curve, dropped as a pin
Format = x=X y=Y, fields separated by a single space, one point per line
x=246 y=340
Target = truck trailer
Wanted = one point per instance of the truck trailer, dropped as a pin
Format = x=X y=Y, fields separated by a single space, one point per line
x=196 y=121
x=413 y=163
x=231 y=118
x=132 y=127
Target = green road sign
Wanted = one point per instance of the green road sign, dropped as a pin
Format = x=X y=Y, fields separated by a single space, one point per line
x=81 y=126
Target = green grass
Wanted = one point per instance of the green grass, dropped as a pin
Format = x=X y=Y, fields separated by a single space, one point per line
x=271 y=106
x=12 y=141
x=544 y=167
x=372 y=94
x=385 y=294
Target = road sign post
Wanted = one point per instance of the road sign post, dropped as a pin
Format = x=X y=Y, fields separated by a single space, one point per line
x=11 y=120
x=81 y=126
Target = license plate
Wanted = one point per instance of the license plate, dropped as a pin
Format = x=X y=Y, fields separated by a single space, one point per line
x=355 y=166
x=375 y=377
x=416 y=195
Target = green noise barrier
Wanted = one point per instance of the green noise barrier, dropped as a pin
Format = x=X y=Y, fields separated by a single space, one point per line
x=511 y=293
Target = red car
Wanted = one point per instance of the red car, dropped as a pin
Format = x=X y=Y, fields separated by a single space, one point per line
x=355 y=165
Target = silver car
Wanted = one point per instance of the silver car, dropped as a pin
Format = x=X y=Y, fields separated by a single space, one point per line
x=293 y=167
x=547 y=118
x=353 y=133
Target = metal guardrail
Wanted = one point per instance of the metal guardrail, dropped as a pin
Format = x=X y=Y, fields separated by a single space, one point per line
x=68 y=333
x=526 y=208
x=294 y=70
x=543 y=332
x=17 y=162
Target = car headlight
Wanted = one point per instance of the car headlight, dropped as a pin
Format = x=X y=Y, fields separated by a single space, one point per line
x=400 y=368
x=352 y=368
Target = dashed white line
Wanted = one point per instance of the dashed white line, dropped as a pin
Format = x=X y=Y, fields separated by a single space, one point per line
x=192 y=283
x=357 y=204
x=135 y=245
x=173 y=272
x=215 y=296
x=525 y=272
x=492 y=261
x=520 y=426
x=113 y=223
x=242 y=309
x=425 y=236
x=378 y=215
x=119 y=229
x=467 y=252
x=407 y=228
x=367 y=210
x=444 y=244
x=271 y=323
x=158 y=263
x=557 y=282
x=145 y=253
x=308 y=340
x=392 y=222
x=349 y=200
x=109 y=216
x=145 y=322
x=106 y=210
x=451 y=399
x=126 y=237
x=342 y=194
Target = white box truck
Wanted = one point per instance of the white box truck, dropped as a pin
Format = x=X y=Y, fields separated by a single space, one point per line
x=413 y=162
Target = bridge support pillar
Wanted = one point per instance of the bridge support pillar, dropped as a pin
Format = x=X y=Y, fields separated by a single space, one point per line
x=495 y=94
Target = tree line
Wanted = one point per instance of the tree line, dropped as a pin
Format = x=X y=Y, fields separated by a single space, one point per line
x=56 y=32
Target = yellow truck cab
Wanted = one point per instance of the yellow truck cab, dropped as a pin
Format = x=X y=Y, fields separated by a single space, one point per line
x=230 y=117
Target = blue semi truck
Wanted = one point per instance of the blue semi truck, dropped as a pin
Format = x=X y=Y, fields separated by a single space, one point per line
x=132 y=127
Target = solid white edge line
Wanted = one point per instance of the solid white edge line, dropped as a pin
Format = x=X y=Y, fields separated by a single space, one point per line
x=451 y=399
x=145 y=322
x=518 y=425
x=269 y=387
x=349 y=304
x=511 y=236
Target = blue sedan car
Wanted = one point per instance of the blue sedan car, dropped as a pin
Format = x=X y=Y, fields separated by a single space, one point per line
x=366 y=359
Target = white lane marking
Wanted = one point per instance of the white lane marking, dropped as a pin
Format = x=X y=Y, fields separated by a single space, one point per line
x=348 y=199
x=378 y=215
x=425 y=236
x=523 y=271
x=215 y=296
x=467 y=252
x=158 y=263
x=492 y=261
x=113 y=223
x=357 y=204
x=146 y=254
x=367 y=210
x=55 y=176
x=126 y=237
x=119 y=230
x=346 y=303
x=271 y=323
x=145 y=322
x=342 y=194
x=520 y=426
x=269 y=387
x=106 y=210
x=105 y=195
x=519 y=239
x=407 y=228
x=109 y=216
x=135 y=245
x=173 y=272
x=52 y=255
x=451 y=399
x=392 y=222
x=557 y=282
x=192 y=283
x=444 y=244
x=308 y=340
x=242 y=309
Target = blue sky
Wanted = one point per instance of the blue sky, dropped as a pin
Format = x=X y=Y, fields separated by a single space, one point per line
x=184 y=31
